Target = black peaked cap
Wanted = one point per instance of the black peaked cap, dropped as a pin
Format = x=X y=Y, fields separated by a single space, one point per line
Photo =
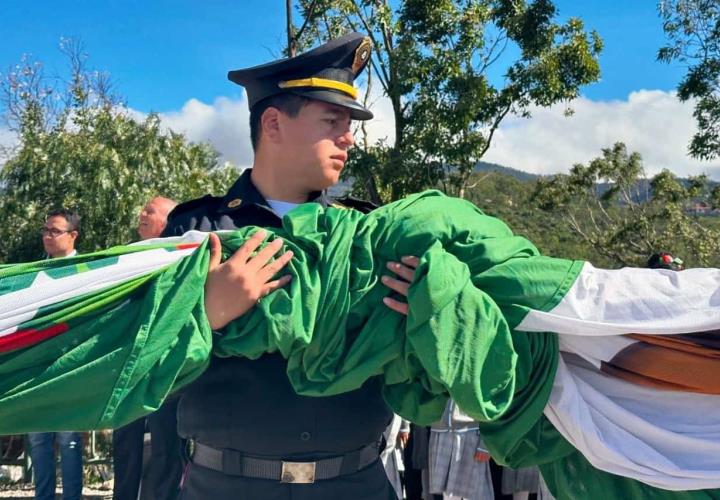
x=325 y=73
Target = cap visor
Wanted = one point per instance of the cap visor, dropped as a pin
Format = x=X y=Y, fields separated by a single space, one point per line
x=357 y=110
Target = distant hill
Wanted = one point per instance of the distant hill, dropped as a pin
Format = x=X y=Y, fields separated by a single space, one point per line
x=640 y=193
x=484 y=166
x=344 y=187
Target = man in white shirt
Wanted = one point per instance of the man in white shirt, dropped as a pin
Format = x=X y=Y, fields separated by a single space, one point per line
x=59 y=234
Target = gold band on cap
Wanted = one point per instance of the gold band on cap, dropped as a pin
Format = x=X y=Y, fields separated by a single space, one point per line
x=322 y=83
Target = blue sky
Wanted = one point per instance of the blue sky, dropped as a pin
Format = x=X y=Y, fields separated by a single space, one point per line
x=173 y=56
x=161 y=53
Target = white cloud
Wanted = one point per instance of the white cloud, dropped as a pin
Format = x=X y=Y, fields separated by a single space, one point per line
x=382 y=126
x=224 y=124
x=8 y=139
x=652 y=122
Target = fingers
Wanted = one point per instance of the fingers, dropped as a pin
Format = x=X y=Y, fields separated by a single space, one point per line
x=215 y=251
x=263 y=256
x=404 y=272
x=399 y=286
x=410 y=260
x=271 y=286
x=403 y=438
x=395 y=305
x=243 y=253
x=275 y=266
x=481 y=457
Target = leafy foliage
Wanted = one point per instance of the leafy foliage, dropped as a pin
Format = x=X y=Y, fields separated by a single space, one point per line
x=625 y=217
x=692 y=28
x=78 y=148
x=433 y=59
x=510 y=199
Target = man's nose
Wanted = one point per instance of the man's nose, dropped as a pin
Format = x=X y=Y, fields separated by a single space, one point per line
x=347 y=139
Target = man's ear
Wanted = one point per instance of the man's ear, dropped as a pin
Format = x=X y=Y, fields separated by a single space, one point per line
x=270 y=124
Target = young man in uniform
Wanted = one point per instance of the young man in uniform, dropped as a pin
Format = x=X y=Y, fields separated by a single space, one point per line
x=253 y=436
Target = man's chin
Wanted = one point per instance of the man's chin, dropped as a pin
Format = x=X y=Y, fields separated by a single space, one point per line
x=331 y=178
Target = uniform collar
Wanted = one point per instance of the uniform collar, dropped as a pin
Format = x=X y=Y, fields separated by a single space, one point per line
x=243 y=194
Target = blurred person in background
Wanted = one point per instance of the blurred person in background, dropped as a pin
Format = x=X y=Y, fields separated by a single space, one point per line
x=165 y=468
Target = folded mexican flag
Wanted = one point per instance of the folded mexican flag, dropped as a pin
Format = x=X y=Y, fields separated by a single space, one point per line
x=555 y=358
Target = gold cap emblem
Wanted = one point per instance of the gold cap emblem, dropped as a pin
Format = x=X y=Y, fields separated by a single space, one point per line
x=362 y=55
x=234 y=203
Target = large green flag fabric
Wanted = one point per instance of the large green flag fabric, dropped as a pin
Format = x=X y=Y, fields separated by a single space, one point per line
x=100 y=359
x=149 y=335
x=97 y=340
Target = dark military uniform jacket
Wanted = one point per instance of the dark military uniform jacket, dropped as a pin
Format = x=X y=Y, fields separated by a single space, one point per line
x=250 y=406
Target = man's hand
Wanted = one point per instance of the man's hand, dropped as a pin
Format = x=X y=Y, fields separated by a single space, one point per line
x=236 y=285
x=405 y=271
x=402 y=439
x=481 y=456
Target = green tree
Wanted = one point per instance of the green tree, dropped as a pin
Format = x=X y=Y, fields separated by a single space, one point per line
x=624 y=216
x=692 y=28
x=79 y=148
x=510 y=199
x=433 y=60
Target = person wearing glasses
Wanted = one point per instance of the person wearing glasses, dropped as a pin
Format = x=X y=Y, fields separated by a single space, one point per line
x=59 y=234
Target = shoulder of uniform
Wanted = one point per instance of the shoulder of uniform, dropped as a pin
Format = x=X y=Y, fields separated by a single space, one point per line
x=356 y=203
x=193 y=214
x=206 y=203
x=190 y=214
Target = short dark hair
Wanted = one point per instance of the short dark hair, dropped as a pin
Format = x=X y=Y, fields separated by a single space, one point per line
x=70 y=215
x=290 y=104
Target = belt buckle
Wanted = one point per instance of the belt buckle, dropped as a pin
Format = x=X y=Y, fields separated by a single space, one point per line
x=298 y=472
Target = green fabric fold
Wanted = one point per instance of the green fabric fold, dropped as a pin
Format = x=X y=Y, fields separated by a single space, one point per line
x=144 y=339
x=123 y=354
x=129 y=347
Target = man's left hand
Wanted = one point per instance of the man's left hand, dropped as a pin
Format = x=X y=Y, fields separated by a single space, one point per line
x=405 y=271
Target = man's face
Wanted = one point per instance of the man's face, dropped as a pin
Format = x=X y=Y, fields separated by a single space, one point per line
x=153 y=218
x=315 y=144
x=57 y=238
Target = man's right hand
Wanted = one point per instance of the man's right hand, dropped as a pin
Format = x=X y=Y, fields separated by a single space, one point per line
x=402 y=439
x=233 y=287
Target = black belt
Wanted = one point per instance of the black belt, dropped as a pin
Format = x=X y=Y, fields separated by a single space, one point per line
x=237 y=463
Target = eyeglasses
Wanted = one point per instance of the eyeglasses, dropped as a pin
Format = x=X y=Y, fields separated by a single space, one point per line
x=53 y=232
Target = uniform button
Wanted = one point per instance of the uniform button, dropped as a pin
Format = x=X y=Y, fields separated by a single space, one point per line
x=305 y=436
